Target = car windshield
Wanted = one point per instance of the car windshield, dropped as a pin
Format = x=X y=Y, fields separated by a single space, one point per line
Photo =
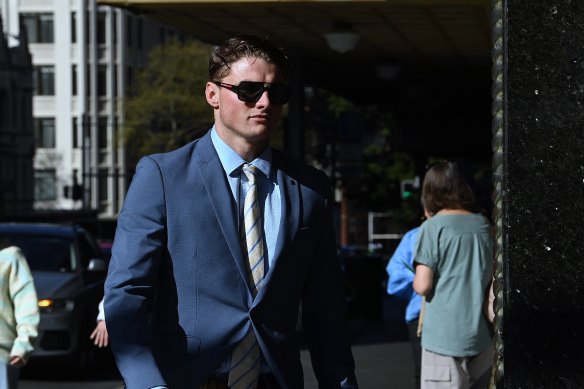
x=45 y=253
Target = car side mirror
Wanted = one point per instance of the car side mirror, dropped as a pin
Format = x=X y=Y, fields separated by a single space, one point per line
x=97 y=265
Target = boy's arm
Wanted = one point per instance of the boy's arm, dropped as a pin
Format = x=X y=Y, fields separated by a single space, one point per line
x=424 y=280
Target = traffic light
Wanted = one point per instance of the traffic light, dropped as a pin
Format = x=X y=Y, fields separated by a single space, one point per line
x=74 y=191
x=77 y=192
x=408 y=187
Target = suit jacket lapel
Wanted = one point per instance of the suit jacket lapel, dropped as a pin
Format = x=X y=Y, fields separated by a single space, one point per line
x=221 y=199
x=291 y=212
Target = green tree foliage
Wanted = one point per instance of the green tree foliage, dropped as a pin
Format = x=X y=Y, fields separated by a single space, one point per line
x=167 y=106
x=373 y=182
x=378 y=187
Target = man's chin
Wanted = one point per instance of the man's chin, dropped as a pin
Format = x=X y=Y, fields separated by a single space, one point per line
x=260 y=132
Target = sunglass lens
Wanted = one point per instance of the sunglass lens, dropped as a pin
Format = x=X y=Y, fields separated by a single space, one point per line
x=249 y=91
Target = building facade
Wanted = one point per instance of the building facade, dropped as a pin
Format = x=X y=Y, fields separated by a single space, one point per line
x=16 y=126
x=84 y=58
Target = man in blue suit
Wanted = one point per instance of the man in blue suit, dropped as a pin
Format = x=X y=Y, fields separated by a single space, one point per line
x=189 y=301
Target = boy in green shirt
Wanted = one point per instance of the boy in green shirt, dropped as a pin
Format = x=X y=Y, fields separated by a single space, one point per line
x=453 y=257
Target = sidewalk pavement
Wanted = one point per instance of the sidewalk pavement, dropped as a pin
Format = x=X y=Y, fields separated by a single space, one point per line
x=383 y=357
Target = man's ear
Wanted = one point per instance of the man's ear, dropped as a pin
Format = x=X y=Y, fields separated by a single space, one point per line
x=212 y=94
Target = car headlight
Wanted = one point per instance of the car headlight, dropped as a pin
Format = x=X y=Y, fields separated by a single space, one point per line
x=49 y=305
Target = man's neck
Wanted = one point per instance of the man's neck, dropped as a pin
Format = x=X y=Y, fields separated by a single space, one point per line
x=246 y=149
x=249 y=153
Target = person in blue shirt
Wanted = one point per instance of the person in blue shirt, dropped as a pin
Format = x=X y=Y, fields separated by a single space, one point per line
x=400 y=270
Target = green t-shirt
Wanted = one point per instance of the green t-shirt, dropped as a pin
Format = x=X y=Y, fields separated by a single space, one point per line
x=459 y=250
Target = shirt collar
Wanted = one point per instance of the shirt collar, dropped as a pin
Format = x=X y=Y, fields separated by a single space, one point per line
x=231 y=161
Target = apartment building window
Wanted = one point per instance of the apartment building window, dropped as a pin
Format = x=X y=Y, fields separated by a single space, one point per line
x=129 y=28
x=73 y=27
x=45 y=185
x=115 y=76
x=101 y=29
x=103 y=187
x=74 y=80
x=39 y=27
x=115 y=136
x=86 y=124
x=44 y=132
x=87 y=80
x=115 y=28
x=75 y=133
x=140 y=33
x=44 y=80
x=102 y=132
x=129 y=79
x=102 y=80
x=88 y=24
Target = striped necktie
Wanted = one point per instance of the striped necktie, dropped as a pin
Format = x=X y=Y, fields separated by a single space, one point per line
x=245 y=359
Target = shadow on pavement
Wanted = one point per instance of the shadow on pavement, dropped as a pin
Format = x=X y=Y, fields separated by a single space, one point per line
x=104 y=369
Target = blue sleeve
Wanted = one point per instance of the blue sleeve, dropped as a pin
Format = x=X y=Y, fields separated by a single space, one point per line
x=399 y=267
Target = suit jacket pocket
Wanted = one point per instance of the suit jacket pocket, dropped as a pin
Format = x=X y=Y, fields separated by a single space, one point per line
x=193 y=345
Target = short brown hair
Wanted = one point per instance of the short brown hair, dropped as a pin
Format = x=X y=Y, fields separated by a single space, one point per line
x=245 y=46
x=445 y=187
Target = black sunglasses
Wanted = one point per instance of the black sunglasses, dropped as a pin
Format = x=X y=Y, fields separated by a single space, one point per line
x=252 y=91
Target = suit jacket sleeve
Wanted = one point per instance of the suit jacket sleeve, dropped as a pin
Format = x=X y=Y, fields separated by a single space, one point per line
x=130 y=285
x=324 y=310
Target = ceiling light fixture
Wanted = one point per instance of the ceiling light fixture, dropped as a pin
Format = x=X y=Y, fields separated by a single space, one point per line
x=342 y=39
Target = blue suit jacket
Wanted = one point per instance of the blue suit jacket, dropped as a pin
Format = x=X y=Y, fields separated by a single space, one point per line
x=177 y=300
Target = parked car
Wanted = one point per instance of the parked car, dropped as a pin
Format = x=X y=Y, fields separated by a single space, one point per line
x=105 y=245
x=69 y=271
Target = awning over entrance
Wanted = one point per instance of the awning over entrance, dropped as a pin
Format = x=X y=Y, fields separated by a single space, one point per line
x=423 y=36
x=427 y=60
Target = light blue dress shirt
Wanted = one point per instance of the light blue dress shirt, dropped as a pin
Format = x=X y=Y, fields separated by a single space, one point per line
x=268 y=189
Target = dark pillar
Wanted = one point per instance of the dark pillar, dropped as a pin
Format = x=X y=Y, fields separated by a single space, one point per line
x=539 y=180
x=294 y=132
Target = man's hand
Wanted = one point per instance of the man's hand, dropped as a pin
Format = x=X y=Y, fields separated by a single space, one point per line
x=100 y=335
x=16 y=360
